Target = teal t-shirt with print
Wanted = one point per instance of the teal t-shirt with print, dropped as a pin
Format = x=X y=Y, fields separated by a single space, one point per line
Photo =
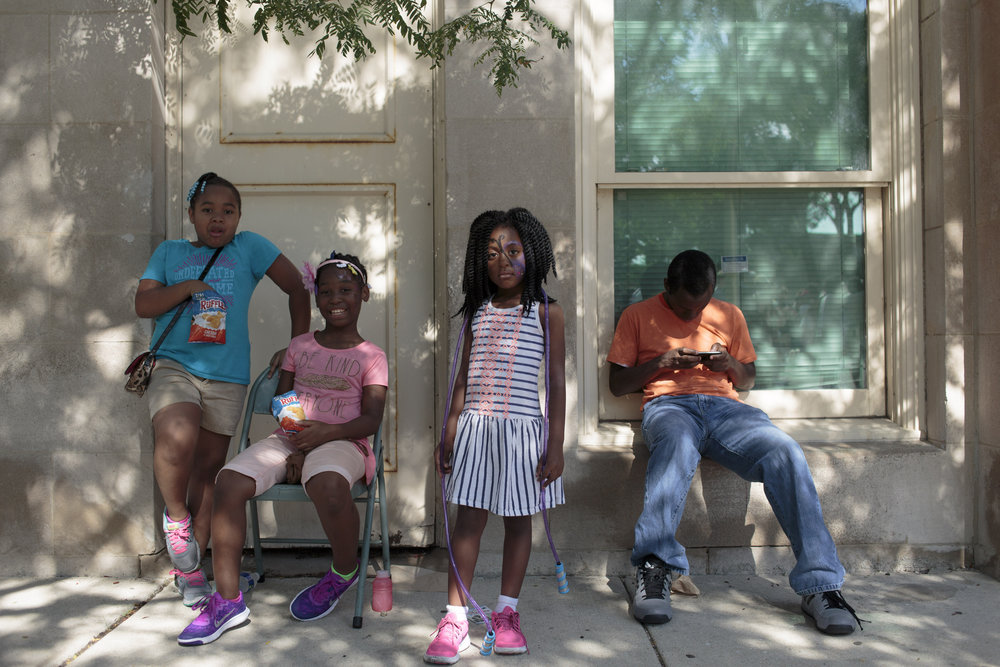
x=234 y=275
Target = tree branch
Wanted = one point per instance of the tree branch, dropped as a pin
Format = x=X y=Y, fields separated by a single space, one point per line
x=505 y=31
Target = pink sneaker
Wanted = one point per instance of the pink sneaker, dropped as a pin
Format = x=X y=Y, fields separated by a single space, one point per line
x=452 y=638
x=507 y=628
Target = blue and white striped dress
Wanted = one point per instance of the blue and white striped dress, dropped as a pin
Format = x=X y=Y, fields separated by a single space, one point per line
x=499 y=438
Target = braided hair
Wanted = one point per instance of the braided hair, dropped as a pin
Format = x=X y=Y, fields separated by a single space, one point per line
x=344 y=257
x=539 y=258
x=207 y=179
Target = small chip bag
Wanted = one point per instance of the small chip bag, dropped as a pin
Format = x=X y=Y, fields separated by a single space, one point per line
x=288 y=411
x=208 y=324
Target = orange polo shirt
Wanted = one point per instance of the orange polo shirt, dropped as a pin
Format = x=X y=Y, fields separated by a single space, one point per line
x=649 y=328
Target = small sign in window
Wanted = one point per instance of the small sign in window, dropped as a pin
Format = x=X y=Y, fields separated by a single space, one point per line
x=735 y=264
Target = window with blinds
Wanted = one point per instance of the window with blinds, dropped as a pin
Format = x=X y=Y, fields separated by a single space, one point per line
x=750 y=88
x=792 y=260
x=741 y=85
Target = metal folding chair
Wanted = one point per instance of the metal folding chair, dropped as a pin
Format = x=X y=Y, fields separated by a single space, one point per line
x=259 y=403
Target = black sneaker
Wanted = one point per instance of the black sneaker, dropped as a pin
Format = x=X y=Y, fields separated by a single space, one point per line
x=652 y=592
x=831 y=612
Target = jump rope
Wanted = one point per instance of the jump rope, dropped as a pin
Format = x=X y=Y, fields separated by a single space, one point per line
x=490 y=637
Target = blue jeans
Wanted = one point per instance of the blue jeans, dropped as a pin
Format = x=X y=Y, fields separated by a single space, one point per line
x=680 y=430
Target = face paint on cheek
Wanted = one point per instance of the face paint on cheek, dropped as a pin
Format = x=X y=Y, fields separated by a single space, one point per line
x=515 y=255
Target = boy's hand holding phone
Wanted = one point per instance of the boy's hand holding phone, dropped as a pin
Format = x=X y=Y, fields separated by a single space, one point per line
x=715 y=360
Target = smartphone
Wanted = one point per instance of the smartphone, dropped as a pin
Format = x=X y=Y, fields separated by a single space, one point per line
x=705 y=356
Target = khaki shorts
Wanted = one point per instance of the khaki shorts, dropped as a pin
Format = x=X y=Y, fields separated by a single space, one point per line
x=221 y=402
x=264 y=461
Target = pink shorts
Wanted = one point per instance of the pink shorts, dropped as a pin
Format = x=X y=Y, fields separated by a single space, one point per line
x=264 y=461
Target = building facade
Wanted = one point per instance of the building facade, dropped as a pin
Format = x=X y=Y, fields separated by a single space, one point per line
x=839 y=165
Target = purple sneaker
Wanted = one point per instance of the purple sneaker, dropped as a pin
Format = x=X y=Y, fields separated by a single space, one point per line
x=217 y=615
x=319 y=599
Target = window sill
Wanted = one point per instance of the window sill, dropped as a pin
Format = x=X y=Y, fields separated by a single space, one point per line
x=851 y=432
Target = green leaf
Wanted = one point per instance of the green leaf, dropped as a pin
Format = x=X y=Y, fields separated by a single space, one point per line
x=502 y=30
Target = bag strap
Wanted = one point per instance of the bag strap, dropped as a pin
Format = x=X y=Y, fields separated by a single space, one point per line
x=182 y=304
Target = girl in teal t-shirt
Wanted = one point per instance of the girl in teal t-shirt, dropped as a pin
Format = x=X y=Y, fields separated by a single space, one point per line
x=196 y=390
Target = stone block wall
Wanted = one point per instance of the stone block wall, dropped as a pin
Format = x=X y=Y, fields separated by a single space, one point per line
x=78 y=126
x=984 y=21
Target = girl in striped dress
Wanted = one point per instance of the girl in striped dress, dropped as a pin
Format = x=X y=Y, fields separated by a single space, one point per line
x=492 y=449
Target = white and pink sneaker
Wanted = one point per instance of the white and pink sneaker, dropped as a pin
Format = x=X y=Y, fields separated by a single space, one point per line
x=452 y=638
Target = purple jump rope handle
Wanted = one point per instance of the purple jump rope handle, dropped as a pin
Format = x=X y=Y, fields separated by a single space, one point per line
x=560 y=571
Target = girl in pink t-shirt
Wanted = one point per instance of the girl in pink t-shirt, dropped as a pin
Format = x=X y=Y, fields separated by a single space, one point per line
x=341 y=381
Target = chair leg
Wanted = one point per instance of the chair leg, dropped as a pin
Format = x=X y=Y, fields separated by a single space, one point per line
x=366 y=543
x=384 y=521
x=258 y=553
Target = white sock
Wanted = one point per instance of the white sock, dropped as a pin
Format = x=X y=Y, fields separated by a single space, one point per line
x=503 y=602
x=459 y=610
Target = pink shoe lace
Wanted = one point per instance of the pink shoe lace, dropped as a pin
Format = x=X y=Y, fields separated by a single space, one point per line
x=180 y=537
x=196 y=578
x=451 y=633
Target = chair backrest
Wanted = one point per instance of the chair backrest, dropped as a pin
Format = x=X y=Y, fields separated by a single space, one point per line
x=258 y=403
x=376 y=441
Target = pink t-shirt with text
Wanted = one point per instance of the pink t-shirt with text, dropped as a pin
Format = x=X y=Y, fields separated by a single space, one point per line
x=330 y=383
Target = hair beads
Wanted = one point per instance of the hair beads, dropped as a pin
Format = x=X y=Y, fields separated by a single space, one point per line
x=199 y=185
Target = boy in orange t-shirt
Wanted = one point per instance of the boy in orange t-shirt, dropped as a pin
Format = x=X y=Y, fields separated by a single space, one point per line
x=690 y=355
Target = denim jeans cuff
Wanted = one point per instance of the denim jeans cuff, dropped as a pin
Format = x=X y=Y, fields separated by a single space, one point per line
x=820 y=589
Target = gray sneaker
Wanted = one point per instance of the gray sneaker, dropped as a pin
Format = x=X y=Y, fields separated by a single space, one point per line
x=181 y=545
x=193 y=586
x=474 y=616
x=652 y=592
x=831 y=612
x=248 y=581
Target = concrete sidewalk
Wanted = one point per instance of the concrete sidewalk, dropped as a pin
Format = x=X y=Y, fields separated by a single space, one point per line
x=947 y=618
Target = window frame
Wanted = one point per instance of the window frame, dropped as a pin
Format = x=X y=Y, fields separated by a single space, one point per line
x=892 y=221
x=802 y=404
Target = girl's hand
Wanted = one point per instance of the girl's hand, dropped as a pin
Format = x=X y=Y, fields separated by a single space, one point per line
x=293 y=467
x=276 y=360
x=551 y=470
x=313 y=434
x=446 y=448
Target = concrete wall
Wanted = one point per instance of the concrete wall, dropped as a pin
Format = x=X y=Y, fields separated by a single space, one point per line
x=79 y=136
x=960 y=110
x=949 y=286
x=984 y=79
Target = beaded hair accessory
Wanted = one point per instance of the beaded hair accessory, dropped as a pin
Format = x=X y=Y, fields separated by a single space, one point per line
x=309 y=273
x=199 y=186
